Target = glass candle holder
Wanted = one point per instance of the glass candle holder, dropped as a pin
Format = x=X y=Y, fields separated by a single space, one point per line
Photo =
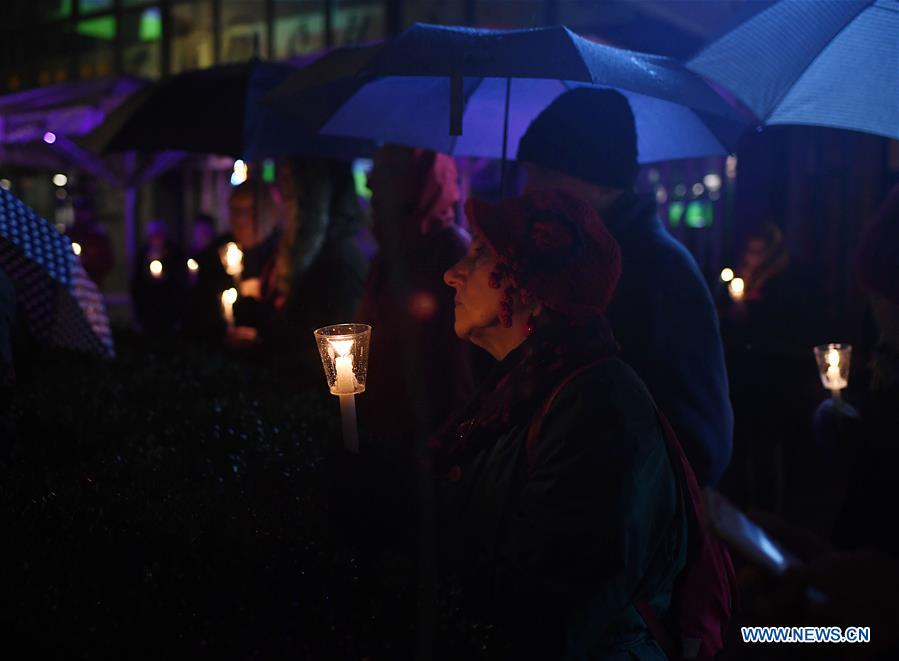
x=344 y=352
x=833 y=366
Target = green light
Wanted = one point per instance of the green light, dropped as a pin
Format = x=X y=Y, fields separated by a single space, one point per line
x=99 y=28
x=362 y=189
x=150 y=25
x=675 y=213
x=268 y=171
x=64 y=10
x=699 y=214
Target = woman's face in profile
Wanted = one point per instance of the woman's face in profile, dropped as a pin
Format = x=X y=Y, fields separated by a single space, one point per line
x=477 y=303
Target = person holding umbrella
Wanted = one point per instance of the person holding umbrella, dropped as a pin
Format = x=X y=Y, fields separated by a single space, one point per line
x=585 y=143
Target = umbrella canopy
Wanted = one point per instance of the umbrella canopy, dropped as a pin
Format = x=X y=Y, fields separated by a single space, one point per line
x=61 y=305
x=37 y=125
x=473 y=92
x=71 y=109
x=826 y=63
x=211 y=111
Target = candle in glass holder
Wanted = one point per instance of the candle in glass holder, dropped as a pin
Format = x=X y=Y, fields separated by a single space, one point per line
x=344 y=352
x=229 y=298
x=736 y=289
x=833 y=366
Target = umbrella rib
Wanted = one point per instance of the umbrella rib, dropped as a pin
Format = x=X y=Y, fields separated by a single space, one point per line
x=505 y=162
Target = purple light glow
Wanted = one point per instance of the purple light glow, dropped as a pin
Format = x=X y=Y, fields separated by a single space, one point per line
x=49 y=137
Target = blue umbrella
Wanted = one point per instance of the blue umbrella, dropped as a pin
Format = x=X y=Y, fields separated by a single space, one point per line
x=826 y=63
x=473 y=92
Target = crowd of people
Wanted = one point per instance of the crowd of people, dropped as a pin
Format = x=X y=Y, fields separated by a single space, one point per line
x=557 y=495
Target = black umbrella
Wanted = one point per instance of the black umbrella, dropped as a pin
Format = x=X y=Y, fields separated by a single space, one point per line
x=213 y=111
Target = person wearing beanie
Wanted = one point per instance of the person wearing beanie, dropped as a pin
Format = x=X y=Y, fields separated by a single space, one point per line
x=664 y=319
x=559 y=500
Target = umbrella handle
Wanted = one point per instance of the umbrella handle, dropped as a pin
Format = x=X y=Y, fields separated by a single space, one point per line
x=455 y=127
x=505 y=162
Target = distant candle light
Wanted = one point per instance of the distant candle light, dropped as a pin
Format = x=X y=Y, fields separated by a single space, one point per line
x=727 y=274
x=156 y=268
x=76 y=248
x=192 y=265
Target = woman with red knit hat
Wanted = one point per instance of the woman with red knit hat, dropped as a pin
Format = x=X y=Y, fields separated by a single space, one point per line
x=562 y=504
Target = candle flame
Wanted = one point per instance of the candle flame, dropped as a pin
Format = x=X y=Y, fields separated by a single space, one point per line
x=156 y=268
x=192 y=265
x=737 y=288
x=833 y=359
x=727 y=275
x=233 y=259
x=229 y=296
x=342 y=347
x=76 y=248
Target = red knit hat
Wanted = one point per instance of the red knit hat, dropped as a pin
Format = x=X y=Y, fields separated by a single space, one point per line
x=554 y=248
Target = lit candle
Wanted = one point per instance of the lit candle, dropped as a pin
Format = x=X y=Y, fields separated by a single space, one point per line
x=76 y=248
x=833 y=379
x=737 y=288
x=192 y=265
x=229 y=298
x=232 y=259
x=346 y=381
x=156 y=269
x=727 y=274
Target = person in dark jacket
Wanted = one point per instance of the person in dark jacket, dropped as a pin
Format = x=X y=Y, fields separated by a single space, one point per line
x=585 y=143
x=159 y=284
x=556 y=530
x=97 y=254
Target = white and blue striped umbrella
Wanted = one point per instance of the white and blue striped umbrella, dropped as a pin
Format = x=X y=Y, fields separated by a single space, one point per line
x=828 y=63
x=61 y=305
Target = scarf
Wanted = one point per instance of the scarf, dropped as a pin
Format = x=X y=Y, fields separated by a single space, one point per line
x=518 y=385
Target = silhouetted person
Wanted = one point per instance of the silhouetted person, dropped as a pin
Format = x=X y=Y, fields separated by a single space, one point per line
x=97 y=255
x=159 y=284
x=419 y=372
x=585 y=143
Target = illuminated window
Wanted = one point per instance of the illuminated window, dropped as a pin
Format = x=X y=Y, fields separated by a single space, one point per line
x=102 y=27
x=141 y=42
x=358 y=22
x=243 y=30
x=93 y=6
x=299 y=27
x=192 y=43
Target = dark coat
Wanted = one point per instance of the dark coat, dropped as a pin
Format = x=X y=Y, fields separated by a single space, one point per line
x=665 y=321
x=557 y=555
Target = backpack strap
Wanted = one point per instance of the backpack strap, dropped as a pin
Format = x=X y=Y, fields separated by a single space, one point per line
x=657 y=629
x=537 y=421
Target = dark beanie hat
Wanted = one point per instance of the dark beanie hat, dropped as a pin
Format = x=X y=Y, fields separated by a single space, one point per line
x=588 y=133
